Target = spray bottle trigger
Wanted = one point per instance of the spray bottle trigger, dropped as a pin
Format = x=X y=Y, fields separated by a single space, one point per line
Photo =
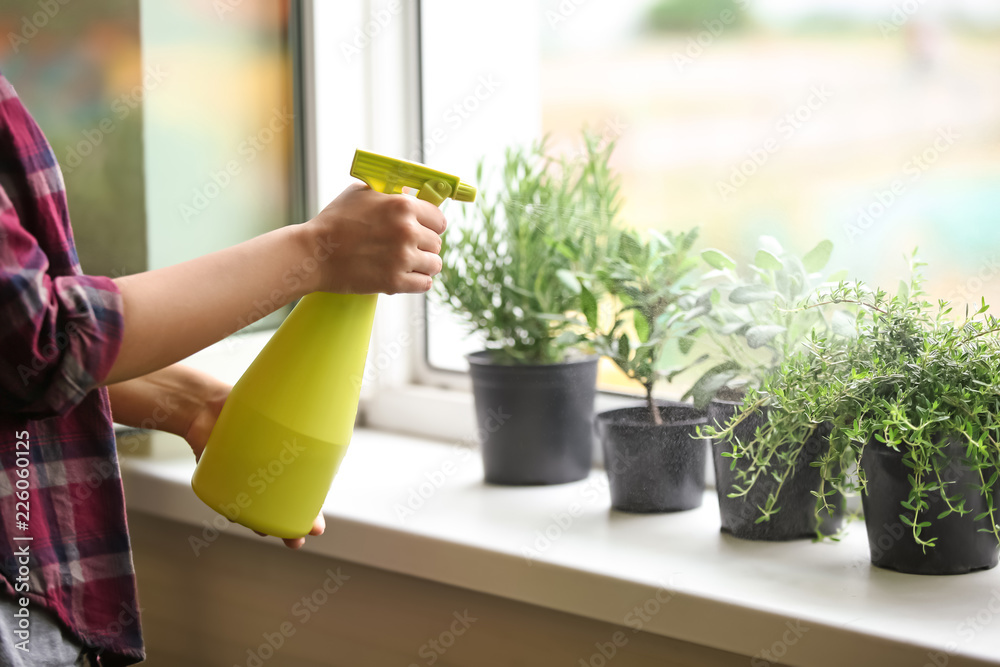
x=434 y=191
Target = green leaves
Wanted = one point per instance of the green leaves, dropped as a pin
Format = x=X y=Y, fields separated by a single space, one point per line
x=817 y=258
x=766 y=260
x=759 y=316
x=588 y=304
x=567 y=278
x=761 y=335
x=651 y=287
x=516 y=269
x=705 y=388
x=718 y=259
x=624 y=348
x=843 y=324
x=897 y=374
x=641 y=325
x=746 y=294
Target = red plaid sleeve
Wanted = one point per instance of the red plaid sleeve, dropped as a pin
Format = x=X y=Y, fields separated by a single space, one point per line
x=60 y=331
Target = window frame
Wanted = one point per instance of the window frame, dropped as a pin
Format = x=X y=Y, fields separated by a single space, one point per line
x=402 y=392
x=378 y=70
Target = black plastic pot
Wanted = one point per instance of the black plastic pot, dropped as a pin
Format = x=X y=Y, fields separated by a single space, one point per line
x=960 y=547
x=535 y=421
x=654 y=467
x=797 y=516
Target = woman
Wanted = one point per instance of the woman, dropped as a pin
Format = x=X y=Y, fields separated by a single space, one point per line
x=75 y=349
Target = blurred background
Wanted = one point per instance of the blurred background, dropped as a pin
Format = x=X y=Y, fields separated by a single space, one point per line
x=872 y=123
x=173 y=122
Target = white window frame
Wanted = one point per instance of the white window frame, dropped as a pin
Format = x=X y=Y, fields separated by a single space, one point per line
x=364 y=88
x=365 y=84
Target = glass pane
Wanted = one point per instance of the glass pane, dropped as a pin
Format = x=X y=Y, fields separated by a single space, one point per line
x=173 y=121
x=76 y=72
x=866 y=123
x=219 y=131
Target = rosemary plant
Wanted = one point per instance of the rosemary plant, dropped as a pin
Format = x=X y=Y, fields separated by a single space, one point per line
x=517 y=271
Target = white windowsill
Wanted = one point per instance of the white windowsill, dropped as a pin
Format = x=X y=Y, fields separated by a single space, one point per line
x=728 y=594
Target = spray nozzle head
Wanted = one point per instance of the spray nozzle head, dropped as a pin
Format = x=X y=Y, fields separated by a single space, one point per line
x=390 y=175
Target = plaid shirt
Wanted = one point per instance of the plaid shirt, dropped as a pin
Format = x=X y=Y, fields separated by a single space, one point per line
x=61 y=496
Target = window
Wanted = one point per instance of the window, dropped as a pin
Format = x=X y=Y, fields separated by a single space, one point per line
x=175 y=124
x=873 y=124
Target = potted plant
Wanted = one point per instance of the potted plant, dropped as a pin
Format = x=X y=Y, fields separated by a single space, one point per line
x=754 y=322
x=514 y=274
x=914 y=412
x=654 y=460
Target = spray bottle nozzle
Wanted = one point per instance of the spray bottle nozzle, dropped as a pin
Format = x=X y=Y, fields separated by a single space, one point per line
x=389 y=175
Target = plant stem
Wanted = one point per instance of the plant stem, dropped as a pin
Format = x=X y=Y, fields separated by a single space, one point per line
x=653 y=410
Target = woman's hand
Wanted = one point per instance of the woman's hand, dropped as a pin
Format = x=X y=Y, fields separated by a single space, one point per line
x=182 y=401
x=377 y=243
x=362 y=243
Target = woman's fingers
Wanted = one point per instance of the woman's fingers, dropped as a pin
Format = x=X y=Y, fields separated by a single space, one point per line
x=428 y=241
x=430 y=216
x=318 y=527
x=426 y=263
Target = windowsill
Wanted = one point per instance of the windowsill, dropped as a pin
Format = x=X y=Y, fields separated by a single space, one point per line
x=728 y=594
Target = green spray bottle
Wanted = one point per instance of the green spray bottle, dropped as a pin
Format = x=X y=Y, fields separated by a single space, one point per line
x=285 y=427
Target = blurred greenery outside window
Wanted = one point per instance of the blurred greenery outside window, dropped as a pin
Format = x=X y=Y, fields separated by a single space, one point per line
x=872 y=123
x=174 y=122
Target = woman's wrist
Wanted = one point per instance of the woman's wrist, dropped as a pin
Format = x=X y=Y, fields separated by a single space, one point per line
x=168 y=400
x=314 y=248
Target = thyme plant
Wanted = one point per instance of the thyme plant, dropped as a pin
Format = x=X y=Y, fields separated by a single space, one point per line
x=912 y=379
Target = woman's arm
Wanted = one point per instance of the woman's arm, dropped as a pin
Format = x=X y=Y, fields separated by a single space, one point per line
x=179 y=400
x=363 y=242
